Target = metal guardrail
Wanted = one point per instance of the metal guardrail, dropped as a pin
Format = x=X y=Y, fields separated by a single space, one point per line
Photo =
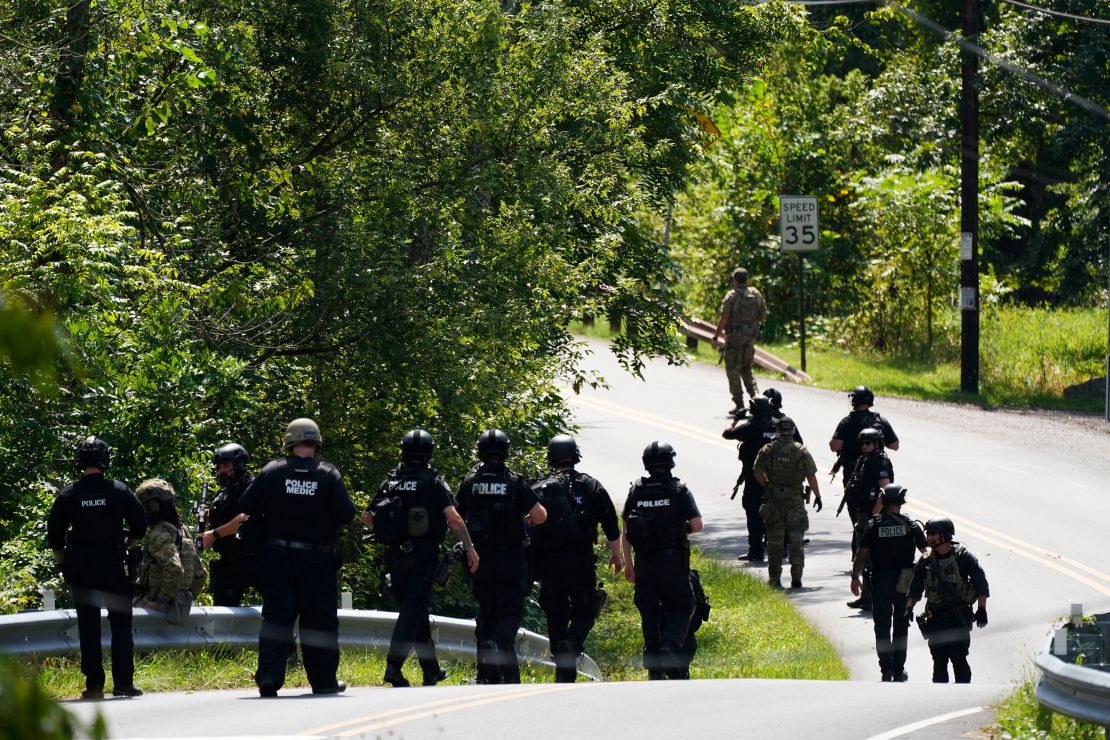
x=697 y=329
x=55 y=633
x=1076 y=691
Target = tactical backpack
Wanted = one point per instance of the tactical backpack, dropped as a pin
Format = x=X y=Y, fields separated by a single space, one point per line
x=650 y=529
x=565 y=524
x=400 y=516
x=495 y=523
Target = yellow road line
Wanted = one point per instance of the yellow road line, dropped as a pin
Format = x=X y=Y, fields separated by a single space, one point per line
x=391 y=712
x=1053 y=560
x=457 y=707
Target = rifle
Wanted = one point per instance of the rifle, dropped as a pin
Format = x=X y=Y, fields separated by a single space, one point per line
x=835 y=469
x=739 y=481
x=843 y=503
x=203 y=514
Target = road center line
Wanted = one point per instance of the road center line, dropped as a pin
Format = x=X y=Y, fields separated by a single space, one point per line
x=401 y=710
x=457 y=707
x=907 y=729
x=1051 y=560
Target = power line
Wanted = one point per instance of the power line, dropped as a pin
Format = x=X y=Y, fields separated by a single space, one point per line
x=1066 y=95
x=1058 y=13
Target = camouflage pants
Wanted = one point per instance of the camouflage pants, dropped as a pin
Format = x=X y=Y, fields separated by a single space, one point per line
x=738 y=367
x=785 y=516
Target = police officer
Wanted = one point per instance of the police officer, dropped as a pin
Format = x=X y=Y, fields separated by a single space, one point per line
x=951 y=580
x=782 y=466
x=743 y=312
x=233 y=540
x=85 y=532
x=564 y=552
x=888 y=544
x=171 y=574
x=301 y=505
x=872 y=472
x=410 y=515
x=752 y=434
x=844 y=441
x=494 y=501
x=658 y=515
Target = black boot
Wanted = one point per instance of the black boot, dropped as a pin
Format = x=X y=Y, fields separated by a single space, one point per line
x=394 y=676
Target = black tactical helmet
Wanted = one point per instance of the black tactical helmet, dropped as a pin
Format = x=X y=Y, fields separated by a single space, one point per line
x=870 y=434
x=775 y=397
x=861 y=394
x=894 y=494
x=93 y=452
x=785 y=427
x=658 y=455
x=944 y=527
x=563 y=447
x=417 y=444
x=232 y=453
x=493 y=442
x=760 y=406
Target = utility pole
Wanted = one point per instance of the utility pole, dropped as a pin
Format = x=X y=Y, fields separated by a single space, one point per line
x=969 y=201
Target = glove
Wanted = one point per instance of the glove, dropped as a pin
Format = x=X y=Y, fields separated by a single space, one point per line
x=817 y=505
x=981 y=616
x=909 y=616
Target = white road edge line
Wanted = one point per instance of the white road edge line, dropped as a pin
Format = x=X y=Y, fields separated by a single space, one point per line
x=907 y=729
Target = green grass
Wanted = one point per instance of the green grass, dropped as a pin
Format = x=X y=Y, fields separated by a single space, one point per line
x=753 y=633
x=1027 y=358
x=1021 y=716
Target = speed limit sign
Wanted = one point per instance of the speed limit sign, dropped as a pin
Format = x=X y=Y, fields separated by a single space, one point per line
x=798 y=219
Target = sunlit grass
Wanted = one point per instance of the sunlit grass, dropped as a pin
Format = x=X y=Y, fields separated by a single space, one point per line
x=1021 y=716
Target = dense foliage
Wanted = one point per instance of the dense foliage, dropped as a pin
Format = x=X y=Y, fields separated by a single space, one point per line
x=379 y=214
x=867 y=118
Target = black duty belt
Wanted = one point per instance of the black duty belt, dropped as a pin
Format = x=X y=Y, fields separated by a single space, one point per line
x=301 y=545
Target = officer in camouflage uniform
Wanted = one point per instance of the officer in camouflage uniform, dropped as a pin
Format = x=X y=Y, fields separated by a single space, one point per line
x=85 y=531
x=171 y=570
x=782 y=467
x=951 y=580
x=888 y=545
x=231 y=536
x=752 y=434
x=743 y=312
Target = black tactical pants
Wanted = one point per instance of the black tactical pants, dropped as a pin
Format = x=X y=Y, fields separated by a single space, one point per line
x=411 y=582
x=231 y=576
x=888 y=610
x=950 y=640
x=860 y=520
x=98 y=581
x=567 y=593
x=752 y=500
x=666 y=605
x=298 y=583
x=499 y=586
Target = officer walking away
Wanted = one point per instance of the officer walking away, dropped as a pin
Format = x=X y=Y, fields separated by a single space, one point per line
x=566 y=563
x=889 y=544
x=659 y=514
x=85 y=532
x=172 y=573
x=951 y=580
x=301 y=506
x=494 y=502
x=235 y=542
x=862 y=495
x=410 y=515
x=844 y=441
x=752 y=434
x=743 y=312
x=783 y=466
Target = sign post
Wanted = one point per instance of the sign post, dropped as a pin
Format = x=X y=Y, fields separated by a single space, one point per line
x=798 y=222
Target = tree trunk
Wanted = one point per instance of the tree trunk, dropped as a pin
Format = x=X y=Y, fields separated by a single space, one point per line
x=70 y=74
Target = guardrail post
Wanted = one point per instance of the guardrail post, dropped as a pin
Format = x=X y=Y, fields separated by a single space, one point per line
x=48 y=603
x=346 y=600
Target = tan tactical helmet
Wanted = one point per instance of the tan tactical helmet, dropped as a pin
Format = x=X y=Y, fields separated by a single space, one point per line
x=153 y=493
x=303 y=431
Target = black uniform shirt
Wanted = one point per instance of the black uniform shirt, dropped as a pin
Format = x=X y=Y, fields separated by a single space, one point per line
x=752 y=434
x=864 y=481
x=91 y=513
x=662 y=491
x=892 y=541
x=299 y=499
x=225 y=508
x=849 y=428
x=591 y=498
x=493 y=486
x=968 y=565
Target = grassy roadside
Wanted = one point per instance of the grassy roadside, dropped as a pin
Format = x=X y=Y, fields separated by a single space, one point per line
x=753 y=632
x=1027 y=358
x=1021 y=716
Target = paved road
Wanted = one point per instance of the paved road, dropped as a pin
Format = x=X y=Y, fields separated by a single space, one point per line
x=1025 y=491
